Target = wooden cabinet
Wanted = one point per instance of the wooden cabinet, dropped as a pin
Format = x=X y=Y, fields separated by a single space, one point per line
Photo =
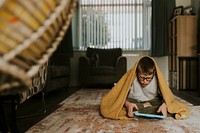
x=182 y=43
x=188 y=73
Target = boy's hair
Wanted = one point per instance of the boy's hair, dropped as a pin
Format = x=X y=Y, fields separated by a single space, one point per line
x=146 y=65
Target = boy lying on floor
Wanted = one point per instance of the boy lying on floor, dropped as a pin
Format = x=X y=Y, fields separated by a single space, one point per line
x=143 y=89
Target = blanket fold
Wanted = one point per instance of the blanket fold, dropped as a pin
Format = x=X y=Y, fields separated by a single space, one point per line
x=112 y=104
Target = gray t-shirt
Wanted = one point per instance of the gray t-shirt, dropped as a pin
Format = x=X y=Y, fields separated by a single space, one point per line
x=143 y=94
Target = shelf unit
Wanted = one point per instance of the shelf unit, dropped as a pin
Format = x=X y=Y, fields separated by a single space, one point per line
x=182 y=43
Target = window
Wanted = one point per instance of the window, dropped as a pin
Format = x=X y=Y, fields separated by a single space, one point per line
x=114 y=24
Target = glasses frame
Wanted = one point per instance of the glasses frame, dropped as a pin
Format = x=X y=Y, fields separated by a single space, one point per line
x=145 y=78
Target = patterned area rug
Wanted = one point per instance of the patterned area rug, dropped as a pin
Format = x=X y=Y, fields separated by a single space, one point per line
x=79 y=113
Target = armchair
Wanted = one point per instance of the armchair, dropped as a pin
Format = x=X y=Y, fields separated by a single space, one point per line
x=101 y=66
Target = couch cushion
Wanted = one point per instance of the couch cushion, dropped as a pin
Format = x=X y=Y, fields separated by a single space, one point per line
x=107 y=57
x=94 y=59
x=102 y=70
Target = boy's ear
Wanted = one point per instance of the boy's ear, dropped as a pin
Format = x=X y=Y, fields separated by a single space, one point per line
x=154 y=72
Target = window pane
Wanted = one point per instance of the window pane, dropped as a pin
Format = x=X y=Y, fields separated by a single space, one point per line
x=111 y=24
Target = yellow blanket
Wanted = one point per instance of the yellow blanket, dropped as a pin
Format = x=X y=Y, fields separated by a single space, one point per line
x=112 y=104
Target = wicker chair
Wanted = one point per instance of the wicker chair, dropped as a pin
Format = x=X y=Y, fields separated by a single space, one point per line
x=29 y=40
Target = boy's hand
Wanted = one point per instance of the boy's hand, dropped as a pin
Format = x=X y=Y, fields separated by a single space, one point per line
x=131 y=107
x=163 y=109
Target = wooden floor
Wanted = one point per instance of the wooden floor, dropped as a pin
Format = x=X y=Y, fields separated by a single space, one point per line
x=192 y=96
x=34 y=105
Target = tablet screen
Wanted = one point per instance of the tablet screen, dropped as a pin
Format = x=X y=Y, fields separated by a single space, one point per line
x=149 y=115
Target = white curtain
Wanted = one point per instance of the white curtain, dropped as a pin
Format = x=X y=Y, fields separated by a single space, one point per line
x=115 y=24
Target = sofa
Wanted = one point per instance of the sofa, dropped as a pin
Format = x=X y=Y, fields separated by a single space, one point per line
x=101 y=67
x=9 y=103
x=58 y=75
x=59 y=65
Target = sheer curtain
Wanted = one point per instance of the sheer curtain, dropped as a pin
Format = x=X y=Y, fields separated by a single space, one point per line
x=115 y=23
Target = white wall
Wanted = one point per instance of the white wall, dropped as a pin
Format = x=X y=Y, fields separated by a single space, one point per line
x=162 y=62
x=183 y=3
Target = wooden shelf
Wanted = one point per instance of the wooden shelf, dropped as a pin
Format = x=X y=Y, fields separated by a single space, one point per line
x=182 y=43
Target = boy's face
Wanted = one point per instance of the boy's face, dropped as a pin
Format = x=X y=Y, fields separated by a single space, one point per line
x=144 y=78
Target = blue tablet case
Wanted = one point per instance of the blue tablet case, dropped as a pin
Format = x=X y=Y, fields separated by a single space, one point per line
x=149 y=115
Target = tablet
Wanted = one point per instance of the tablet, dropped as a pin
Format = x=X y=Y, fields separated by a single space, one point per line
x=149 y=115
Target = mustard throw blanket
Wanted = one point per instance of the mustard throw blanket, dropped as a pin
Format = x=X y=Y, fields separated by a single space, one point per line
x=112 y=104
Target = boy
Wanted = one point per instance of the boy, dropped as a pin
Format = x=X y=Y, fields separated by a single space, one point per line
x=144 y=94
x=142 y=88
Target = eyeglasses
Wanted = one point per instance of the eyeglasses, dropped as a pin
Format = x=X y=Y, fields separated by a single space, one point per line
x=145 y=78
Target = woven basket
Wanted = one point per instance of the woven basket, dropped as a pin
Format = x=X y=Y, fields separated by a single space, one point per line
x=30 y=31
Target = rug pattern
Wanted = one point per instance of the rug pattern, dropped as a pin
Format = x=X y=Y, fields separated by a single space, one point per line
x=79 y=113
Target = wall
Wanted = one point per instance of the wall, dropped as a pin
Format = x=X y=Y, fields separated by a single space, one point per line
x=196 y=5
x=183 y=2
